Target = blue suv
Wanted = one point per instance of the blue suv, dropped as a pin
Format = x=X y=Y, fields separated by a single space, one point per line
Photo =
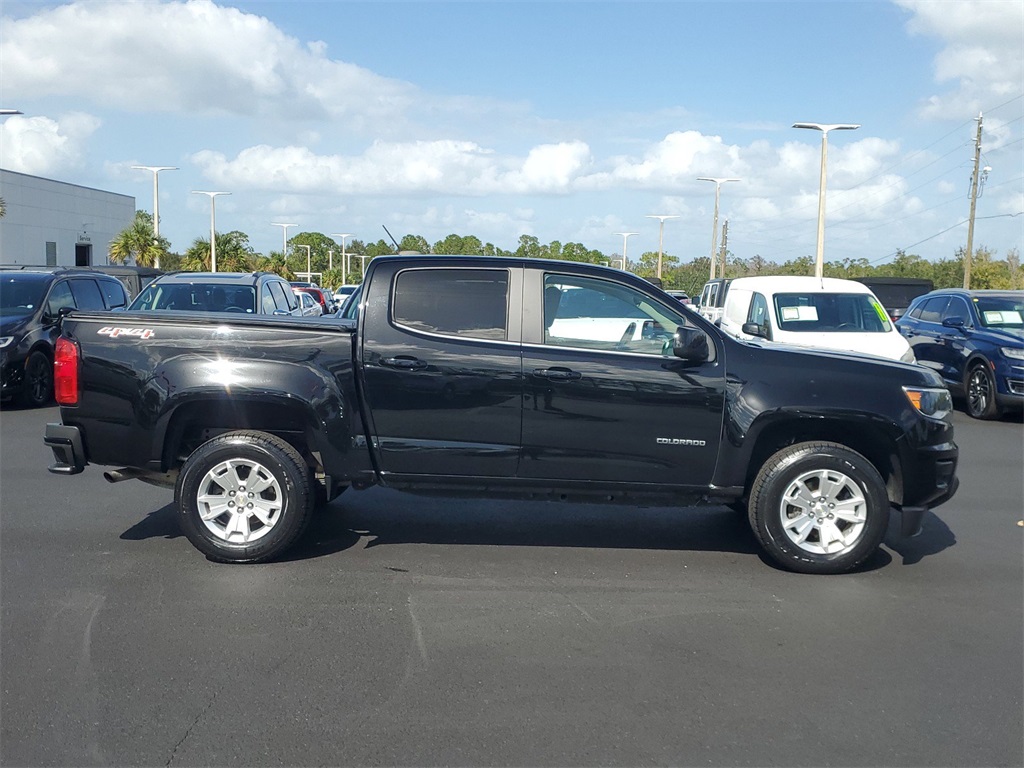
x=975 y=341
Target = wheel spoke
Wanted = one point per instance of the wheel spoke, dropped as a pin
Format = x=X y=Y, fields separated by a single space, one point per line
x=215 y=504
x=222 y=489
x=260 y=482
x=802 y=527
x=851 y=510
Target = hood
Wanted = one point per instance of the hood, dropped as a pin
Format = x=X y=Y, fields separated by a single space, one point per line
x=14 y=325
x=891 y=345
x=1008 y=336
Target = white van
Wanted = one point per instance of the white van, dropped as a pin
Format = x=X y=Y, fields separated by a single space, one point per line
x=826 y=313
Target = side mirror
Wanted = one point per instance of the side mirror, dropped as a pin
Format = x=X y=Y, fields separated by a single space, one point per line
x=953 y=322
x=690 y=344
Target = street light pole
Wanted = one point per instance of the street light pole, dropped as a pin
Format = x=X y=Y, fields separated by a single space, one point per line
x=819 y=264
x=714 y=226
x=213 y=225
x=155 y=170
x=661 y=235
x=344 y=256
x=625 y=239
x=309 y=260
x=284 y=236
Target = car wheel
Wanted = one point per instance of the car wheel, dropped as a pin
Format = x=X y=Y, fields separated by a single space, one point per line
x=243 y=497
x=37 y=389
x=819 y=508
x=981 y=392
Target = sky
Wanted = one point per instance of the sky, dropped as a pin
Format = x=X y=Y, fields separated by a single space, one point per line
x=568 y=121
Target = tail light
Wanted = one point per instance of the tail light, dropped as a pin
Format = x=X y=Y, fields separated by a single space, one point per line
x=65 y=372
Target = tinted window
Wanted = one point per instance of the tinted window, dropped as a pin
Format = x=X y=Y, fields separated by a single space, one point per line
x=957 y=307
x=932 y=309
x=1000 y=311
x=453 y=302
x=60 y=298
x=113 y=293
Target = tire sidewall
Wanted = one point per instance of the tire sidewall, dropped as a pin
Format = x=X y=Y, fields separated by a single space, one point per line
x=764 y=509
x=274 y=456
x=991 y=410
x=28 y=395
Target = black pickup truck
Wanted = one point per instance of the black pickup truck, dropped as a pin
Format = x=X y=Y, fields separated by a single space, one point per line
x=500 y=377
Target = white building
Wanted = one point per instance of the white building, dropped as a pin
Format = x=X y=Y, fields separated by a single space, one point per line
x=59 y=224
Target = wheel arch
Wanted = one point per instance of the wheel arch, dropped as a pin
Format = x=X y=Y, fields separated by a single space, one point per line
x=873 y=440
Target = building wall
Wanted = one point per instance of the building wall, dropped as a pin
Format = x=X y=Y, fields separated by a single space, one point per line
x=52 y=218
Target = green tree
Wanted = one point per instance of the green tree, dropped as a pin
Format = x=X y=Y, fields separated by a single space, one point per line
x=380 y=248
x=136 y=243
x=234 y=254
x=458 y=245
x=529 y=248
x=416 y=243
x=275 y=262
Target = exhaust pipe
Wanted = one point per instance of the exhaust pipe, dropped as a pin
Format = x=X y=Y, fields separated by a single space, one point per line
x=159 y=479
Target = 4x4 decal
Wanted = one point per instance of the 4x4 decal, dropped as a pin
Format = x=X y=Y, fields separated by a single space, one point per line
x=114 y=331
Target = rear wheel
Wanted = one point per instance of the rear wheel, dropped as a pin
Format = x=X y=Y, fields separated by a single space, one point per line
x=819 y=508
x=981 y=392
x=37 y=388
x=244 y=497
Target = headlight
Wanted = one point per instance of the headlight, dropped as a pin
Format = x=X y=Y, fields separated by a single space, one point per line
x=936 y=403
x=5 y=340
x=908 y=357
x=1015 y=352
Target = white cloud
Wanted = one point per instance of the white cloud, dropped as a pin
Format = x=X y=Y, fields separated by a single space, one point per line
x=42 y=146
x=982 y=51
x=192 y=56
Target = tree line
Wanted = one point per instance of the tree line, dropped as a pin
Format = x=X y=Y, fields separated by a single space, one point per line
x=136 y=244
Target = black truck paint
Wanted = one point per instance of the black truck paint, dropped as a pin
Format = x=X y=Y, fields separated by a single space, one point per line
x=676 y=416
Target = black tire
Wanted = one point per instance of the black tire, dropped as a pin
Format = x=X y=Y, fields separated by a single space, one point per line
x=980 y=388
x=819 y=508
x=278 y=503
x=37 y=387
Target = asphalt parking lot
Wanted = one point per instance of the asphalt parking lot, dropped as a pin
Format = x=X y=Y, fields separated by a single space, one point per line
x=411 y=631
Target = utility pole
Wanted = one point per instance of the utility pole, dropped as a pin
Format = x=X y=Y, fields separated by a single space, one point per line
x=725 y=245
x=974 y=201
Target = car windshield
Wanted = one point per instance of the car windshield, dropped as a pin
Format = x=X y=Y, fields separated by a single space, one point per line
x=196 y=297
x=21 y=294
x=1000 y=311
x=831 y=313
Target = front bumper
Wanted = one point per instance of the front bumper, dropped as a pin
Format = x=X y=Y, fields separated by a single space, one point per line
x=68 y=451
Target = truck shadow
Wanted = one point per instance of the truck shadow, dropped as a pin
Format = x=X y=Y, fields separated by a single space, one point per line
x=380 y=517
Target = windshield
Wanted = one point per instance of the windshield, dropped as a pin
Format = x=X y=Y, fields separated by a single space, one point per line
x=21 y=294
x=830 y=313
x=196 y=297
x=1000 y=311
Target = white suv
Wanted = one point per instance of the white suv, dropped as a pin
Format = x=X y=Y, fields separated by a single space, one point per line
x=825 y=313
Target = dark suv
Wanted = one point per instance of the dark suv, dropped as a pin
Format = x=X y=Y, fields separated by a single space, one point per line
x=975 y=341
x=31 y=303
x=251 y=293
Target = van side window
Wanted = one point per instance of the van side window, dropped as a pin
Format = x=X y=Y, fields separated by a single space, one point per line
x=759 y=313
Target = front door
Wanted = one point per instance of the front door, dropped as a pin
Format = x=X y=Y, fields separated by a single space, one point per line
x=442 y=369
x=604 y=398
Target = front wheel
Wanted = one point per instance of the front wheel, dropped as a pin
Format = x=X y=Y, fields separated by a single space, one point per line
x=37 y=389
x=819 y=508
x=243 y=497
x=981 y=392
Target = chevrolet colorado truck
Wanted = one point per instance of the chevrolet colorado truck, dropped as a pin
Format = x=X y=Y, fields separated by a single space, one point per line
x=500 y=377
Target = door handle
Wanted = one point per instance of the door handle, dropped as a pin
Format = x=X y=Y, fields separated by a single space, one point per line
x=557 y=374
x=404 y=363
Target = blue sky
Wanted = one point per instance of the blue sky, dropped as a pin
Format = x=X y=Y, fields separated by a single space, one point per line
x=567 y=121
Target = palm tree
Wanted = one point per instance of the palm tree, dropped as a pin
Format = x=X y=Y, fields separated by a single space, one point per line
x=233 y=254
x=137 y=243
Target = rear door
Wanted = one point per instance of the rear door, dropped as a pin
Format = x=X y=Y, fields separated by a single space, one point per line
x=442 y=368
x=605 y=401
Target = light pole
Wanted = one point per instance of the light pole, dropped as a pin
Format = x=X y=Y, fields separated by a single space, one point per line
x=344 y=256
x=661 y=235
x=714 y=226
x=819 y=264
x=284 y=236
x=625 y=239
x=213 y=225
x=155 y=170
x=309 y=260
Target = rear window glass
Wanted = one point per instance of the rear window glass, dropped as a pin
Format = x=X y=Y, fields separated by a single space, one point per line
x=453 y=302
x=197 y=297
